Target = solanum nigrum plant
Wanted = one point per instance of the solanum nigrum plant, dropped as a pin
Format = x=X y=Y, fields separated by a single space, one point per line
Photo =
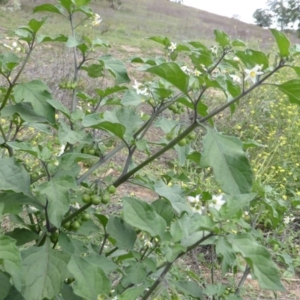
x=58 y=240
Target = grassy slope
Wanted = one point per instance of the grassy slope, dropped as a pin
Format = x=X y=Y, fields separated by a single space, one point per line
x=147 y=18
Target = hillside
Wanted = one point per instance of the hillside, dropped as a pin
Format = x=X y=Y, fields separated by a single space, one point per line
x=152 y=17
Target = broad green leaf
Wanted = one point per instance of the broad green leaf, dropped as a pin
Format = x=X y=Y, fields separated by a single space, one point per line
x=122 y=232
x=131 y=98
x=259 y=259
x=94 y=70
x=224 y=250
x=221 y=38
x=25 y=111
x=172 y=73
x=12 y=199
x=251 y=58
x=71 y=245
x=143 y=216
x=5 y=286
x=172 y=252
x=135 y=274
x=37 y=93
x=8 y=61
x=35 y=25
x=68 y=293
x=59 y=106
x=282 y=41
x=22 y=236
x=189 y=288
x=25 y=147
x=161 y=40
x=133 y=292
x=291 y=88
x=231 y=166
x=116 y=68
x=45 y=38
x=98 y=121
x=10 y=259
x=164 y=209
x=90 y=280
x=49 y=8
x=111 y=90
x=45 y=270
x=107 y=265
x=57 y=193
x=13 y=177
x=67 y=135
x=235 y=204
x=174 y=194
x=238 y=43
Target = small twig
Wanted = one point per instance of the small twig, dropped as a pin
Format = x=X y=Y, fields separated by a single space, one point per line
x=244 y=277
x=103 y=243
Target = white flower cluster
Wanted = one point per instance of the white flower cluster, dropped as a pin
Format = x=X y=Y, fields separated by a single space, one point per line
x=14 y=46
x=140 y=89
x=96 y=20
x=188 y=71
x=197 y=207
x=288 y=219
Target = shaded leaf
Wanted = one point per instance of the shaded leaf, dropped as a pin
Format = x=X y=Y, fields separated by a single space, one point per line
x=230 y=165
x=22 y=235
x=291 y=88
x=45 y=270
x=283 y=42
x=143 y=216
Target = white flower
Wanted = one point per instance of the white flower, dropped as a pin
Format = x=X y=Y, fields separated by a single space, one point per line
x=186 y=70
x=140 y=89
x=62 y=150
x=235 y=78
x=96 y=20
x=214 y=49
x=196 y=72
x=172 y=47
x=14 y=44
x=198 y=209
x=33 y=209
x=76 y=205
x=148 y=243
x=236 y=58
x=288 y=219
x=195 y=200
x=7 y=46
x=218 y=201
x=253 y=73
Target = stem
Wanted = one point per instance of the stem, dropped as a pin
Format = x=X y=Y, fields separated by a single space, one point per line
x=103 y=243
x=158 y=280
x=241 y=283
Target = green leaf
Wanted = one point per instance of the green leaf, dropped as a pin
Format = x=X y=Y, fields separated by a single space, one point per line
x=71 y=245
x=230 y=164
x=259 y=259
x=10 y=259
x=224 y=250
x=164 y=209
x=45 y=270
x=5 y=286
x=13 y=177
x=282 y=41
x=116 y=68
x=67 y=135
x=122 y=232
x=97 y=121
x=107 y=265
x=292 y=89
x=25 y=111
x=251 y=58
x=131 y=98
x=221 y=38
x=189 y=288
x=25 y=147
x=135 y=274
x=22 y=236
x=94 y=70
x=49 y=8
x=172 y=73
x=12 y=199
x=59 y=106
x=37 y=93
x=68 y=293
x=238 y=43
x=133 y=293
x=57 y=192
x=90 y=280
x=161 y=40
x=174 y=194
x=143 y=216
x=35 y=25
